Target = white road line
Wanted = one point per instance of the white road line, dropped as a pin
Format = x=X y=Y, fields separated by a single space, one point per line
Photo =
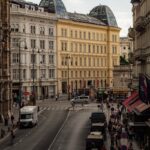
x=63 y=125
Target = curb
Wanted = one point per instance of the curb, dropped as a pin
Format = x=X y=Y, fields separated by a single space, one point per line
x=59 y=131
x=7 y=135
x=15 y=130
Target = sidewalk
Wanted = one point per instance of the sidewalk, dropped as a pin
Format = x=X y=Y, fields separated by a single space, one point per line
x=5 y=129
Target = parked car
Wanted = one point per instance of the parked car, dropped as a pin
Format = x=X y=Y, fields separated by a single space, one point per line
x=94 y=141
x=100 y=127
x=80 y=100
x=98 y=117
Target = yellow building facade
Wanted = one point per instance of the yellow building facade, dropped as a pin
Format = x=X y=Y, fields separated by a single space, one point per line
x=87 y=47
x=86 y=54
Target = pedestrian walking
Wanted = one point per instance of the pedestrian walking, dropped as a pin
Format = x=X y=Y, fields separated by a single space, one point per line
x=12 y=136
x=130 y=146
x=112 y=147
x=56 y=98
x=12 y=119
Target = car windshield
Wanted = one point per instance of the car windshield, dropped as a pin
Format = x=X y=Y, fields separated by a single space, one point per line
x=26 y=116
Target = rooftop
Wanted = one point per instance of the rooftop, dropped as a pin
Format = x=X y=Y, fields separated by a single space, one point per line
x=104 y=13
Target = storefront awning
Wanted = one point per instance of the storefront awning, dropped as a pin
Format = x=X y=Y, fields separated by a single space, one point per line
x=130 y=99
x=142 y=107
x=134 y=105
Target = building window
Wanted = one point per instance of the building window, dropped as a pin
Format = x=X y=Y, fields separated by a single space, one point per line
x=43 y=59
x=51 y=45
x=51 y=31
x=76 y=34
x=64 y=32
x=89 y=48
x=71 y=33
x=51 y=59
x=33 y=43
x=85 y=61
x=15 y=74
x=80 y=35
x=84 y=35
x=24 y=28
x=43 y=73
x=52 y=73
x=42 y=44
x=33 y=73
x=15 y=42
x=24 y=74
x=42 y=31
x=93 y=36
x=15 y=28
x=89 y=35
x=80 y=61
x=84 y=48
x=89 y=61
x=15 y=58
x=64 y=46
x=33 y=58
x=33 y=29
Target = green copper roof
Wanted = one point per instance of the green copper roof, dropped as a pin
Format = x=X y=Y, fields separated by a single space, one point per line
x=54 y=6
x=104 y=14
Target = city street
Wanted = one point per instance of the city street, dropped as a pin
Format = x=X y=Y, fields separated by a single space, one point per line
x=60 y=127
x=52 y=132
x=39 y=137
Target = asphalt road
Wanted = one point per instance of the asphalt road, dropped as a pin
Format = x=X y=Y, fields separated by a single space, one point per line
x=74 y=133
x=39 y=137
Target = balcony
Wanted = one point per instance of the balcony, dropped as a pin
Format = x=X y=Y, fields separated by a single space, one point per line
x=131 y=33
x=141 y=23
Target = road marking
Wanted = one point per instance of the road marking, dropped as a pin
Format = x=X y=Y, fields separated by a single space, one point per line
x=63 y=125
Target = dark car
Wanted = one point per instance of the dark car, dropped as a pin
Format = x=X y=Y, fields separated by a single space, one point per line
x=94 y=141
x=97 y=117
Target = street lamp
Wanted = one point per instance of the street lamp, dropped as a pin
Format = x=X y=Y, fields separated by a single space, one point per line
x=68 y=86
x=33 y=77
x=20 y=84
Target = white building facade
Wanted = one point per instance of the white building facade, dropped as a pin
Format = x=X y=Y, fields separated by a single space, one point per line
x=126 y=47
x=33 y=51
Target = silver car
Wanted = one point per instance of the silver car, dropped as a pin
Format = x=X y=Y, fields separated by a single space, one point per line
x=80 y=100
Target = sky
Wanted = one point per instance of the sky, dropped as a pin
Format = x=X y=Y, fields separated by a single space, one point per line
x=121 y=9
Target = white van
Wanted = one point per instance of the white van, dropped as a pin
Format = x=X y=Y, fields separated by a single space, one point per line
x=80 y=100
x=28 y=116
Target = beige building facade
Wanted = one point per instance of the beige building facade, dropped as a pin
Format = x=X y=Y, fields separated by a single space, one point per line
x=140 y=34
x=126 y=47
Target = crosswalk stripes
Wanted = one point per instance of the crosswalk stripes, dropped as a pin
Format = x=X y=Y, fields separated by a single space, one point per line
x=43 y=108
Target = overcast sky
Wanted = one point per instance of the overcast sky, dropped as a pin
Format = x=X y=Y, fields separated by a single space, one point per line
x=120 y=8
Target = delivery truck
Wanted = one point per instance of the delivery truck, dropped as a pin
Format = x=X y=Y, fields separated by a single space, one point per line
x=28 y=116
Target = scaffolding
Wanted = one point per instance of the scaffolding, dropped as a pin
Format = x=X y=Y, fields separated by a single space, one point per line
x=5 y=72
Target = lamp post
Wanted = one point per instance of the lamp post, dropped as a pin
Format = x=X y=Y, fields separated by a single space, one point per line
x=33 y=77
x=130 y=78
x=68 y=86
x=20 y=83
